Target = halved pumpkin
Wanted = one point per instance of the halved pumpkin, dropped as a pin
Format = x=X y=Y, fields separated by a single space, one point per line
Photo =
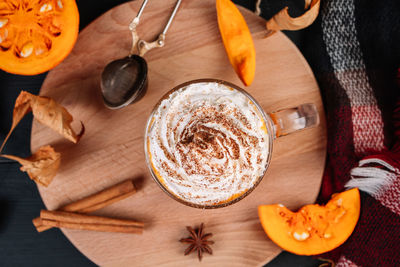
x=314 y=229
x=36 y=35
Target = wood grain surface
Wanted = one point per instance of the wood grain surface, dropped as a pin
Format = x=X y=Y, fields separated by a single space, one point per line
x=112 y=148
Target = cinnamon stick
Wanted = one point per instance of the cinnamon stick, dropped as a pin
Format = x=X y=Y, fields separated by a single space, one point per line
x=84 y=218
x=94 y=227
x=94 y=202
x=79 y=221
x=103 y=198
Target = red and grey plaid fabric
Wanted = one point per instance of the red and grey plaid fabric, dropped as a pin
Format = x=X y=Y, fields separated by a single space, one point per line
x=354 y=50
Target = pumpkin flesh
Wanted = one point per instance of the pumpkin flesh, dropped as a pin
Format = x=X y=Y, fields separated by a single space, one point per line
x=314 y=229
x=36 y=35
x=237 y=40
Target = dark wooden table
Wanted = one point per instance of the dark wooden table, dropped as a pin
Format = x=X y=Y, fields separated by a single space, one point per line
x=20 y=244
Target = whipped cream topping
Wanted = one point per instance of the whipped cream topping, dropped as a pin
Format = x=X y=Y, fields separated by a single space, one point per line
x=208 y=143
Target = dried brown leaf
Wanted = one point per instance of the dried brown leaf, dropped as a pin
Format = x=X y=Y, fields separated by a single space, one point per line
x=21 y=108
x=42 y=166
x=47 y=112
x=283 y=21
x=307 y=3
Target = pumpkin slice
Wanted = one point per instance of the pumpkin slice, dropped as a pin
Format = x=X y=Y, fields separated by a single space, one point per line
x=36 y=35
x=314 y=229
x=237 y=40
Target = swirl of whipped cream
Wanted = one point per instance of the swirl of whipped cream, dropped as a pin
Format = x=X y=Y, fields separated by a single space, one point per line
x=207 y=143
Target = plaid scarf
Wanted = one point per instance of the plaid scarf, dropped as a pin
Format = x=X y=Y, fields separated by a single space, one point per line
x=354 y=51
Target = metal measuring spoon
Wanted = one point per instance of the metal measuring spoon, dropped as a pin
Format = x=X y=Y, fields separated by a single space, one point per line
x=124 y=80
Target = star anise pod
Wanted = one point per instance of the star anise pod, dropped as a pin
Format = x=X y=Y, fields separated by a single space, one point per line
x=198 y=240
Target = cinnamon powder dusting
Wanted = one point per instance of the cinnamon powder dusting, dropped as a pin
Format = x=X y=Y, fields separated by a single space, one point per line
x=208 y=143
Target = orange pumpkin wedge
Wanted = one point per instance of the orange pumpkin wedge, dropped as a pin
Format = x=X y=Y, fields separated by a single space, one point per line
x=36 y=35
x=314 y=229
x=237 y=40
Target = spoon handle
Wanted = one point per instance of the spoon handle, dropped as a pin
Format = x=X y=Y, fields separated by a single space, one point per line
x=144 y=46
x=133 y=25
x=178 y=3
x=135 y=21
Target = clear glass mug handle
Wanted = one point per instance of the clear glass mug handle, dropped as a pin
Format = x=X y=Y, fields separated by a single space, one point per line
x=289 y=120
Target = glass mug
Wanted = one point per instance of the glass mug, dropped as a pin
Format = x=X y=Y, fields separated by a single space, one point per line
x=277 y=124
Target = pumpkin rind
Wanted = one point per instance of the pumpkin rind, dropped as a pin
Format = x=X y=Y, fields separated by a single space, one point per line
x=314 y=229
x=35 y=35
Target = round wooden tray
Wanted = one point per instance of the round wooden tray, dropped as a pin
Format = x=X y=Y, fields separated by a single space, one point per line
x=112 y=148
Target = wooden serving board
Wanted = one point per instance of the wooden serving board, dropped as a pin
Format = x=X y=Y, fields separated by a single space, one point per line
x=112 y=147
